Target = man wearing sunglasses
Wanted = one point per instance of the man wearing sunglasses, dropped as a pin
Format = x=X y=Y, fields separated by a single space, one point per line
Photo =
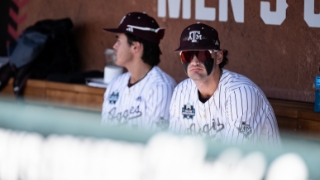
x=214 y=102
x=140 y=98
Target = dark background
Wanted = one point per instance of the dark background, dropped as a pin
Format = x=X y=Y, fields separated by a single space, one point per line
x=4 y=21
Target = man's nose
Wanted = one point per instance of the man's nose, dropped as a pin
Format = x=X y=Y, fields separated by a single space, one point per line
x=115 y=46
x=195 y=60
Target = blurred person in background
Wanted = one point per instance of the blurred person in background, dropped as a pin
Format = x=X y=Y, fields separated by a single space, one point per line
x=139 y=98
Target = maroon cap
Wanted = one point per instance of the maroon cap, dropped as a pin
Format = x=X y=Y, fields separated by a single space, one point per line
x=199 y=37
x=140 y=25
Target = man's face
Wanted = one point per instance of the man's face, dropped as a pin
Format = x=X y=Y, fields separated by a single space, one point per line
x=123 y=50
x=196 y=69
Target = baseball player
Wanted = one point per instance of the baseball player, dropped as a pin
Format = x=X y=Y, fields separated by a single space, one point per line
x=139 y=98
x=214 y=102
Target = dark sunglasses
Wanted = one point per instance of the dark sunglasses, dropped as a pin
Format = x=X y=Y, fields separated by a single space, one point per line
x=186 y=56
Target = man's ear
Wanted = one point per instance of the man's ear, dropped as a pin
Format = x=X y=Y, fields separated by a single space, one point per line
x=136 y=47
x=219 y=56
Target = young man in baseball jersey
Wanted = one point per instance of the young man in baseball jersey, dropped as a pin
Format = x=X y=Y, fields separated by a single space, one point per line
x=140 y=98
x=214 y=102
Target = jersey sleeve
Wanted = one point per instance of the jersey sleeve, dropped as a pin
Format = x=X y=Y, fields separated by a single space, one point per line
x=250 y=118
x=158 y=105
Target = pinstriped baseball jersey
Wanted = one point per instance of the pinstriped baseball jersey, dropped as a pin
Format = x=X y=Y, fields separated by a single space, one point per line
x=238 y=112
x=144 y=105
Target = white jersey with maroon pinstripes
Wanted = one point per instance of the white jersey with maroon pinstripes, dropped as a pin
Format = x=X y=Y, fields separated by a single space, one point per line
x=145 y=105
x=238 y=112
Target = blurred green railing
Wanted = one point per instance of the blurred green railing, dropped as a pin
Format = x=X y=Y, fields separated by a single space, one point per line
x=47 y=120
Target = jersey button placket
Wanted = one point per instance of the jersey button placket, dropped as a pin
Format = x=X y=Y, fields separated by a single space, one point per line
x=128 y=91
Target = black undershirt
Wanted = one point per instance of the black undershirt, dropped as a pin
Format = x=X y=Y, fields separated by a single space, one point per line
x=203 y=100
x=129 y=84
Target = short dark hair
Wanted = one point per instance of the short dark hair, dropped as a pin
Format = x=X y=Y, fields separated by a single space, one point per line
x=225 y=60
x=151 y=51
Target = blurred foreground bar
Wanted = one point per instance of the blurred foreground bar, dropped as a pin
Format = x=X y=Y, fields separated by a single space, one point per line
x=19 y=119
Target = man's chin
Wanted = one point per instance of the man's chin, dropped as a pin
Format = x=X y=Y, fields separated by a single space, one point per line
x=197 y=76
x=118 y=63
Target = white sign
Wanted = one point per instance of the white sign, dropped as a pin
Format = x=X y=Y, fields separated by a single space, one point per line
x=274 y=18
x=209 y=13
x=313 y=20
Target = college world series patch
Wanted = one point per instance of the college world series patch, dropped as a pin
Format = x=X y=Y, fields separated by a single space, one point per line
x=188 y=111
x=113 y=98
x=245 y=129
